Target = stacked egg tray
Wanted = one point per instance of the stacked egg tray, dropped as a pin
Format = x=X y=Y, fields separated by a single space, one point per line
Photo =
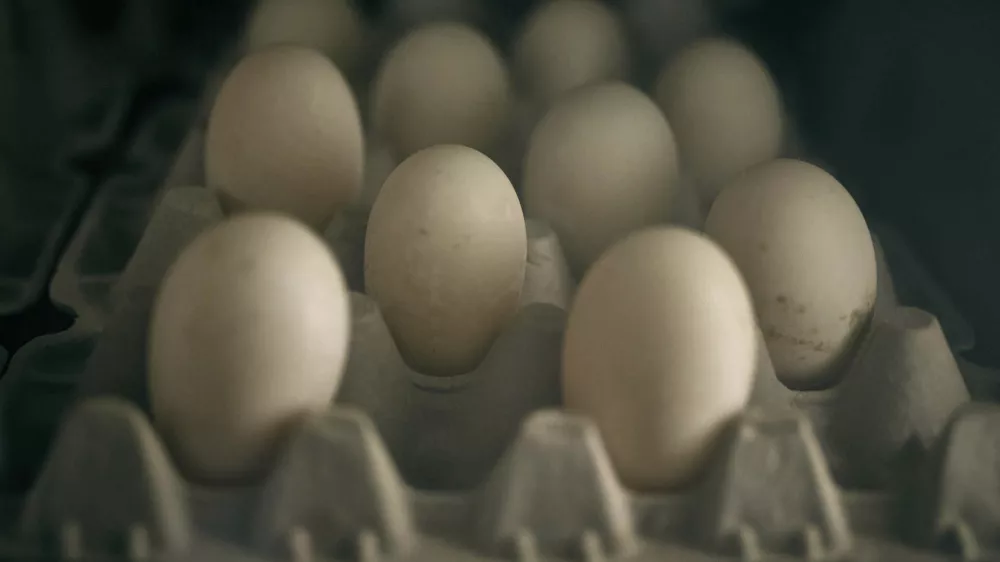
x=37 y=212
x=895 y=463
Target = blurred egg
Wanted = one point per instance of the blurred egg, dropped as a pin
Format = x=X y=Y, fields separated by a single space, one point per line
x=410 y=13
x=660 y=351
x=601 y=164
x=443 y=83
x=567 y=44
x=664 y=26
x=329 y=26
x=445 y=257
x=725 y=110
x=285 y=135
x=249 y=331
x=807 y=256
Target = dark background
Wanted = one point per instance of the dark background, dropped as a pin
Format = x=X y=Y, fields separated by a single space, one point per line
x=900 y=99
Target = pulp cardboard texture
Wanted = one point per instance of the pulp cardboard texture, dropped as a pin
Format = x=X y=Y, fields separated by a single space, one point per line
x=894 y=463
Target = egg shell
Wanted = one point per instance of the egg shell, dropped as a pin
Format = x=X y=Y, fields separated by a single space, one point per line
x=566 y=44
x=445 y=257
x=601 y=164
x=249 y=331
x=443 y=83
x=284 y=134
x=806 y=253
x=332 y=27
x=660 y=351
x=724 y=108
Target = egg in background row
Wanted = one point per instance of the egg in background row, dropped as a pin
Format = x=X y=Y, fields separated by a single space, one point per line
x=660 y=352
x=725 y=109
x=807 y=255
x=566 y=44
x=284 y=134
x=443 y=83
x=332 y=27
x=249 y=332
x=600 y=164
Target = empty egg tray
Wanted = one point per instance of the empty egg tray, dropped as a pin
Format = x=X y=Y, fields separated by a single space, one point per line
x=894 y=463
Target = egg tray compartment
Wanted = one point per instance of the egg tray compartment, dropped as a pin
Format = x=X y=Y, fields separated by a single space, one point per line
x=109 y=492
x=117 y=217
x=37 y=211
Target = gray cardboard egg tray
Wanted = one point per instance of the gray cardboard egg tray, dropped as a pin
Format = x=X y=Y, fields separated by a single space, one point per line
x=895 y=463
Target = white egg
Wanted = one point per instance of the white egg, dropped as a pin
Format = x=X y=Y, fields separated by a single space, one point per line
x=443 y=83
x=724 y=108
x=566 y=44
x=660 y=351
x=329 y=26
x=249 y=332
x=285 y=135
x=601 y=164
x=807 y=255
x=445 y=257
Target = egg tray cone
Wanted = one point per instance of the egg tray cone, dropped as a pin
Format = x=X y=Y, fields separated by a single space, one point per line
x=894 y=463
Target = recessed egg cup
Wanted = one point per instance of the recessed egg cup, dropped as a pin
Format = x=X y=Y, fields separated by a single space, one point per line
x=447 y=432
x=110 y=490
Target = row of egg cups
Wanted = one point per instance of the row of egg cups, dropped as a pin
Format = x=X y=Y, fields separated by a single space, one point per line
x=109 y=488
x=901 y=375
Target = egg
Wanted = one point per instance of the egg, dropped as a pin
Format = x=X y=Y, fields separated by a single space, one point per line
x=249 y=332
x=660 y=352
x=329 y=26
x=600 y=164
x=566 y=44
x=284 y=134
x=807 y=256
x=444 y=83
x=445 y=257
x=663 y=27
x=724 y=108
x=411 y=13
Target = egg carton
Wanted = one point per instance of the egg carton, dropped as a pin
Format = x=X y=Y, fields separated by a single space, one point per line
x=335 y=494
x=37 y=212
x=892 y=464
x=115 y=220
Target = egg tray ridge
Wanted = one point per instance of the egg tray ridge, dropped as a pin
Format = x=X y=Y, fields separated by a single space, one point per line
x=115 y=220
x=334 y=494
x=927 y=472
x=37 y=210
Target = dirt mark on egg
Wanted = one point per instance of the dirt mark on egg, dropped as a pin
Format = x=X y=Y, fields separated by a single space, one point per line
x=772 y=333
